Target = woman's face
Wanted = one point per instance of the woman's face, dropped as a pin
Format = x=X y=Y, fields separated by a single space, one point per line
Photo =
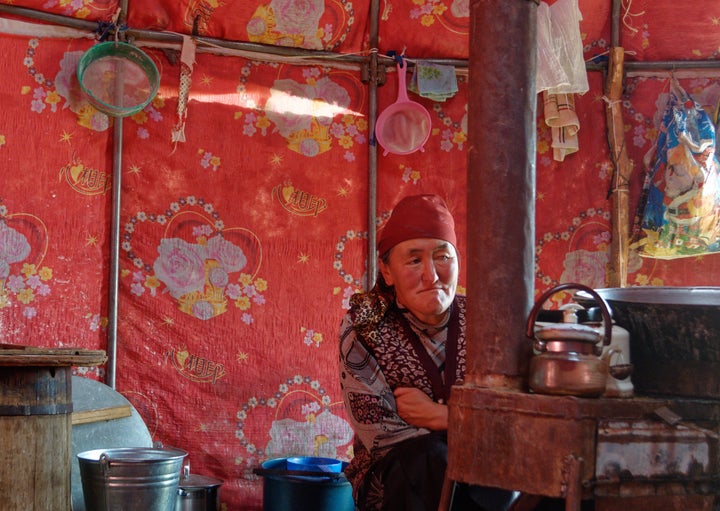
x=424 y=273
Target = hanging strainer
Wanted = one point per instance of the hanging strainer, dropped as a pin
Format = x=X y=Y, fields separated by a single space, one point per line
x=404 y=126
x=118 y=78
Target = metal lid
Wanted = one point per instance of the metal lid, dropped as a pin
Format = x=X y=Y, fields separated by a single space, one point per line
x=195 y=482
x=569 y=331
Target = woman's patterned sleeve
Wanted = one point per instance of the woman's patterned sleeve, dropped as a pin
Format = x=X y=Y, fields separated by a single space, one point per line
x=368 y=398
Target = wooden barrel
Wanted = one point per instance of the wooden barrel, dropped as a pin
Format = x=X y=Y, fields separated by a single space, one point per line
x=36 y=425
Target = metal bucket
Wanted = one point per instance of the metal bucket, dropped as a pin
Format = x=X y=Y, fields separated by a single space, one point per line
x=285 y=491
x=131 y=478
x=197 y=492
x=129 y=431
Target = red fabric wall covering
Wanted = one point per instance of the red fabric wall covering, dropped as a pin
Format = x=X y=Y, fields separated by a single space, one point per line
x=256 y=377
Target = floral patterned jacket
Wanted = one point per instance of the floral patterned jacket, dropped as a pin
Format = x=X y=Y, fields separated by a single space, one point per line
x=376 y=356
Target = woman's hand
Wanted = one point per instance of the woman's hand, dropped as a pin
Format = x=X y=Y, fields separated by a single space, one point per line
x=417 y=409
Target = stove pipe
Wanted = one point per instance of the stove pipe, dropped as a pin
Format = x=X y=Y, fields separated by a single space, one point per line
x=500 y=190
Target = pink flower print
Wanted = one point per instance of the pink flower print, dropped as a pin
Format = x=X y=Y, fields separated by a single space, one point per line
x=334 y=99
x=328 y=32
x=14 y=247
x=233 y=291
x=337 y=130
x=137 y=289
x=203 y=230
x=285 y=107
x=249 y=129
x=42 y=290
x=180 y=266
x=99 y=121
x=256 y=26
x=309 y=147
x=205 y=160
x=460 y=8
x=298 y=16
x=312 y=72
x=310 y=409
x=37 y=105
x=230 y=256
x=15 y=283
x=203 y=309
x=585 y=267
x=297 y=436
x=66 y=81
x=33 y=281
x=603 y=237
x=218 y=277
x=155 y=115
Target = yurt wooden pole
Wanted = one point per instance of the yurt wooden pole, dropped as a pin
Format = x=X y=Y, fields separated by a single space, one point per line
x=615 y=23
x=623 y=167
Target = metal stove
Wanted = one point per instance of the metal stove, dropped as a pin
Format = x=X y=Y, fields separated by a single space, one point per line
x=638 y=453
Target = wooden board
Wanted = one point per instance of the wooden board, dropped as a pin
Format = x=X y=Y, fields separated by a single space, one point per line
x=103 y=414
x=16 y=355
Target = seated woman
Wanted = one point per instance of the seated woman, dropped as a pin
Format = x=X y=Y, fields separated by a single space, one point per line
x=402 y=347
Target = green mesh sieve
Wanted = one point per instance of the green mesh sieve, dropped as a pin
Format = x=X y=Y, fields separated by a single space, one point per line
x=118 y=78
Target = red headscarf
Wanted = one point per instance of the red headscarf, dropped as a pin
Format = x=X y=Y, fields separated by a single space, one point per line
x=417 y=216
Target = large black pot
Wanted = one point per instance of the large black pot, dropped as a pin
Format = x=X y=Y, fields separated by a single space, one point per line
x=674 y=337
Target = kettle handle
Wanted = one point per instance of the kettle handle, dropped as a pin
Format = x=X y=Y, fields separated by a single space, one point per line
x=604 y=308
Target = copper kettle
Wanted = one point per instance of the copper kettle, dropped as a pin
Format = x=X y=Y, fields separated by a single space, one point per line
x=568 y=357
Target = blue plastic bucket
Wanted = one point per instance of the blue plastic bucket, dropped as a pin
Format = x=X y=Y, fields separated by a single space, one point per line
x=284 y=491
x=314 y=464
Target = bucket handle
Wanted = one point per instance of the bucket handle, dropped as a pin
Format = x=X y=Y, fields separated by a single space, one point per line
x=105 y=464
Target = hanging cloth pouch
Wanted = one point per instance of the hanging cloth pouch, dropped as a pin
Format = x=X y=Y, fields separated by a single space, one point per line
x=679 y=211
x=433 y=81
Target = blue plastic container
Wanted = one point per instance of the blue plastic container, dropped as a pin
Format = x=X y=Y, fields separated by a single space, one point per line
x=314 y=464
x=283 y=491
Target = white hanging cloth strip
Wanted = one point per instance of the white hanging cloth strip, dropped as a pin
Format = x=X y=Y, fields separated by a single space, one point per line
x=187 y=61
x=560 y=115
x=561 y=72
x=16 y=27
x=561 y=65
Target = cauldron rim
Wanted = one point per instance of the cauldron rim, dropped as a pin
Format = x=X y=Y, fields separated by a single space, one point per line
x=662 y=295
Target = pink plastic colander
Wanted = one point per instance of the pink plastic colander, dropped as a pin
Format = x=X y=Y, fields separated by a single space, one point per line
x=404 y=126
